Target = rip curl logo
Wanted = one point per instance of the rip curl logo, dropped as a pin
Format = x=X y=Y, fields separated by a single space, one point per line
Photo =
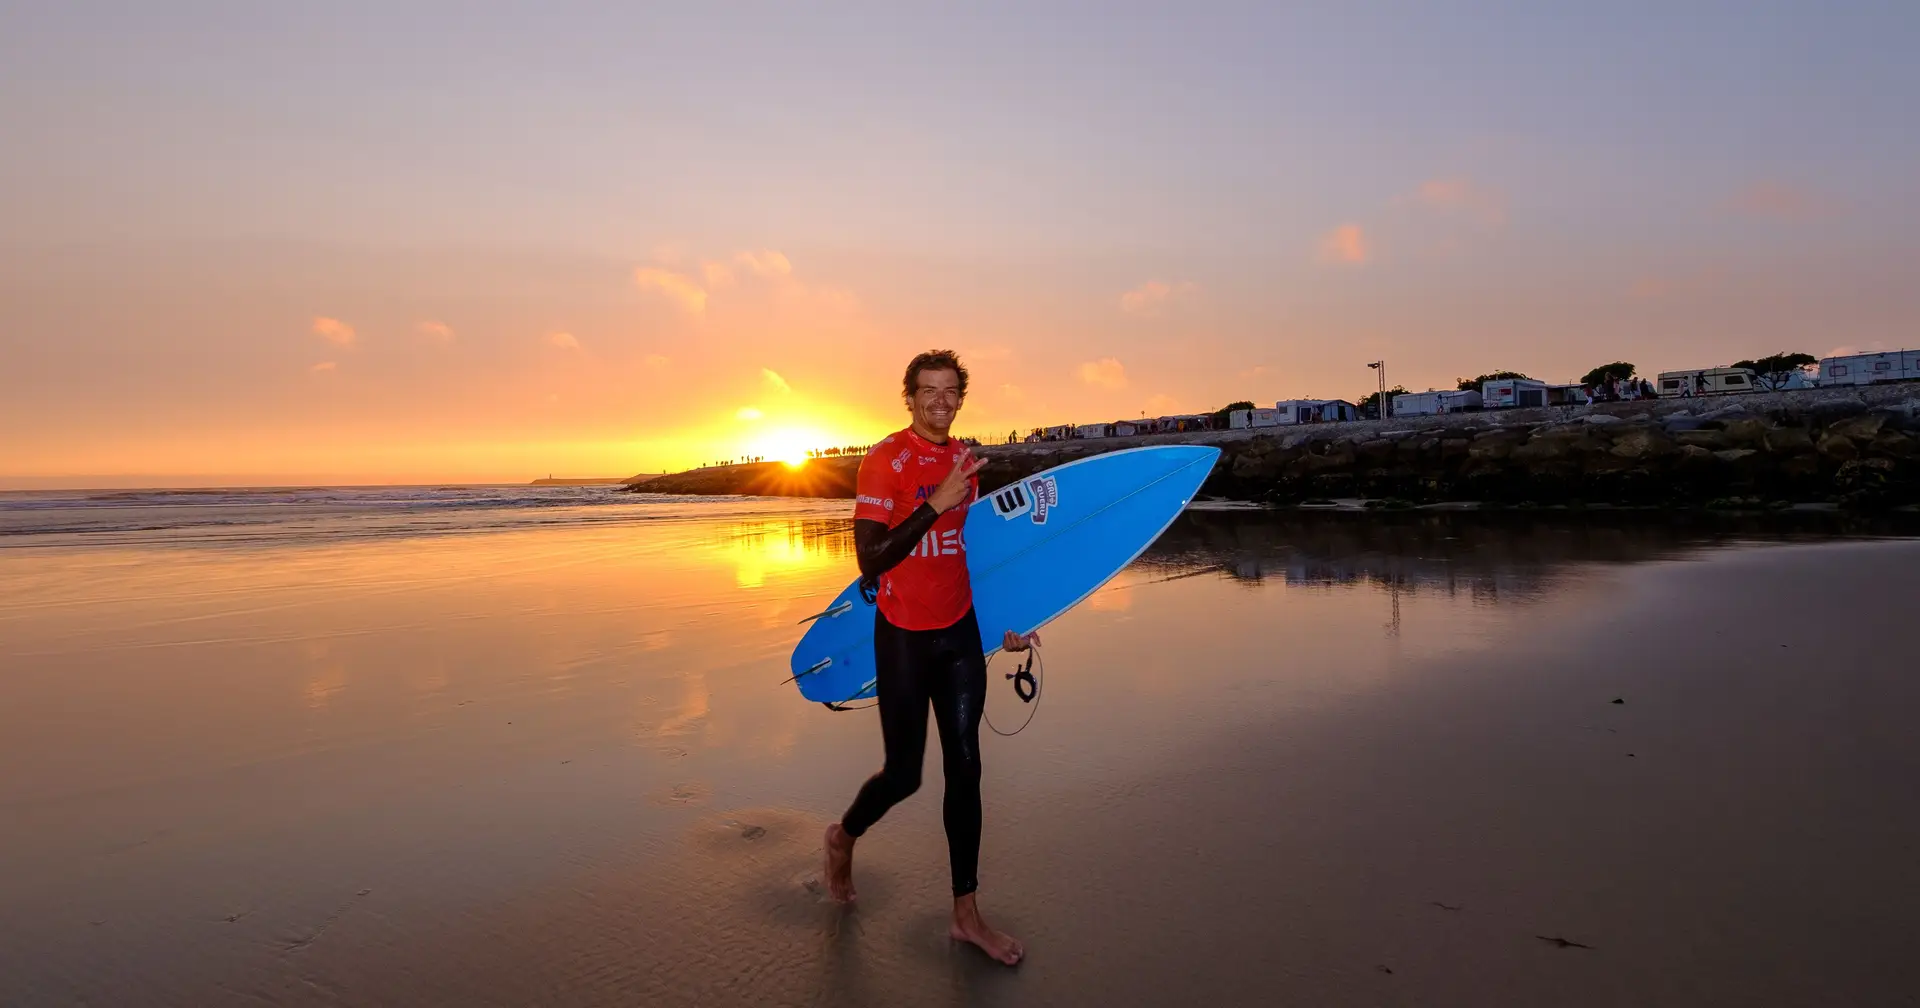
x=900 y=460
x=1033 y=497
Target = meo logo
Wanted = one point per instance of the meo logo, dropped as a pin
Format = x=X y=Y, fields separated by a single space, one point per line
x=1035 y=497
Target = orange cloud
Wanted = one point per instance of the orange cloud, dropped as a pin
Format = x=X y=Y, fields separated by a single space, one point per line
x=681 y=290
x=1462 y=196
x=1778 y=201
x=1105 y=373
x=334 y=331
x=563 y=340
x=773 y=379
x=766 y=263
x=1345 y=245
x=1150 y=296
x=438 y=332
x=1161 y=404
x=322 y=367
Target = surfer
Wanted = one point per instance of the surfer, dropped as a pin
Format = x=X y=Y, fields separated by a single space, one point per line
x=909 y=524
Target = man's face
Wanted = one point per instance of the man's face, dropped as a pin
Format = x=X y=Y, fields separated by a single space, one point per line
x=936 y=399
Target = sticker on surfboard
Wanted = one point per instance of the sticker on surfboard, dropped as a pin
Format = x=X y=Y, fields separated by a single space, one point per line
x=1034 y=497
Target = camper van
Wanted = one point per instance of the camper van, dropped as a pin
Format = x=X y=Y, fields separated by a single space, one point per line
x=1093 y=430
x=1706 y=381
x=1871 y=368
x=1431 y=401
x=1512 y=393
x=1242 y=419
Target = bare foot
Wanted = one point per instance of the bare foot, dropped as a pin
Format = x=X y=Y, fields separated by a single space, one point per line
x=969 y=926
x=840 y=864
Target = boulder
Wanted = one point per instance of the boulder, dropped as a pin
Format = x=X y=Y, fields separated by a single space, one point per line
x=1735 y=456
x=1641 y=443
x=1746 y=432
x=1839 y=407
x=1864 y=427
x=1896 y=444
x=1788 y=440
x=1693 y=457
x=1601 y=419
x=1496 y=444
x=1837 y=447
x=1680 y=422
x=1711 y=440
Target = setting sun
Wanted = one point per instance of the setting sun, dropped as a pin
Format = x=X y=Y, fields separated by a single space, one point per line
x=788 y=445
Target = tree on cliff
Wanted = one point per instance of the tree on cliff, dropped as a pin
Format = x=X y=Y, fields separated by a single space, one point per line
x=1616 y=371
x=1369 y=407
x=1473 y=384
x=1775 y=370
x=1221 y=416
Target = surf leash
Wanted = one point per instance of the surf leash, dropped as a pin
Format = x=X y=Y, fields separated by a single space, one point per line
x=1026 y=676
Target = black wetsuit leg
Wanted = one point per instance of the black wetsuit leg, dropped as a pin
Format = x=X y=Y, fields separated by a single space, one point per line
x=915 y=668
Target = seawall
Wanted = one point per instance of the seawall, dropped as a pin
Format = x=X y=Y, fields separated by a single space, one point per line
x=1850 y=446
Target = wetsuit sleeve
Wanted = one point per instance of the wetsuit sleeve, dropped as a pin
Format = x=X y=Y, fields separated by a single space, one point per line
x=880 y=549
x=874 y=488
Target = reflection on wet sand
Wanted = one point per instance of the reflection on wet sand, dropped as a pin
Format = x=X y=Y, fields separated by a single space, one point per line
x=563 y=767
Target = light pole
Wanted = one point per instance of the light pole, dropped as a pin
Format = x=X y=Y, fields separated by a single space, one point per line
x=1381 y=409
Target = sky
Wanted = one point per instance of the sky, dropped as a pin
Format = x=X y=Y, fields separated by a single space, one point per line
x=249 y=243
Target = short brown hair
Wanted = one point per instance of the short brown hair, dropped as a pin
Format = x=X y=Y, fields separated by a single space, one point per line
x=934 y=360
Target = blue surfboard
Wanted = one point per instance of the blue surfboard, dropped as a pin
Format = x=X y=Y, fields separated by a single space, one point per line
x=1035 y=549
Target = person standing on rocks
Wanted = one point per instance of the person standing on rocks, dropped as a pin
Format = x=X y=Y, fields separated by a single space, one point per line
x=909 y=521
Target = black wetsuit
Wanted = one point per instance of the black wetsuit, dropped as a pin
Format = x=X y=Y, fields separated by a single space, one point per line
x=914 y=669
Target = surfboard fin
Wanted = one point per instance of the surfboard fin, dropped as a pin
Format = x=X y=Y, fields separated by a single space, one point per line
x=837 y=610
x=809 y=670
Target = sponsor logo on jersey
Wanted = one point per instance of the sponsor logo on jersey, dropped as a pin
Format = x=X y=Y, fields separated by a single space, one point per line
x=864 y=499
x=900 y=460
x=926 y=490
x=941 y=542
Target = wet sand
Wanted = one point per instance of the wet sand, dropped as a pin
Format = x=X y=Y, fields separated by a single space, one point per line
x=1320 y=765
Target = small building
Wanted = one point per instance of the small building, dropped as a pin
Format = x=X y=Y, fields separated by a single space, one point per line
x=1513 y=393
x=1129 y=428
x=1705 y=381
x=1061 y=432
x=1871 y=368
x=1242 y=419
x=1434 y=401
x=1572 y=394
x=1301 y=411
x=1093 y=430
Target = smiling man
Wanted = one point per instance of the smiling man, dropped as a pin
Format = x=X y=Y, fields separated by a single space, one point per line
x=909 y=533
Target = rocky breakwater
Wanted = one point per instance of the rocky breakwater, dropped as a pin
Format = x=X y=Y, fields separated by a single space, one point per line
x=1837 y=450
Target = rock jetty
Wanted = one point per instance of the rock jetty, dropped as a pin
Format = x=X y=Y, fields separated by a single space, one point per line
x=1853 y=448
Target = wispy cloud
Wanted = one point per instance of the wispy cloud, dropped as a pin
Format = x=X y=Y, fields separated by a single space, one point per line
x=765 y=262
x=1779 y=201
x=438 y=332
x=1462 y=197
x=1106 y=373
x=334 y=331
x=323 y=367
x=1149 y=297
x=679 y=289
x=1345 y=245
x=773 y=380
x=563 y=340
x=748 y=413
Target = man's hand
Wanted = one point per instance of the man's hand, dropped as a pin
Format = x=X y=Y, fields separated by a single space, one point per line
x=1019 y=642
x=954 y=490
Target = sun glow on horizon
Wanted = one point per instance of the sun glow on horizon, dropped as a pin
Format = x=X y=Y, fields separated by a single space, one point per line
x=789 y=445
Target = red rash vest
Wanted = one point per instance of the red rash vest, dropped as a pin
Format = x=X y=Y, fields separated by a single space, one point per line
x=929 y=590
